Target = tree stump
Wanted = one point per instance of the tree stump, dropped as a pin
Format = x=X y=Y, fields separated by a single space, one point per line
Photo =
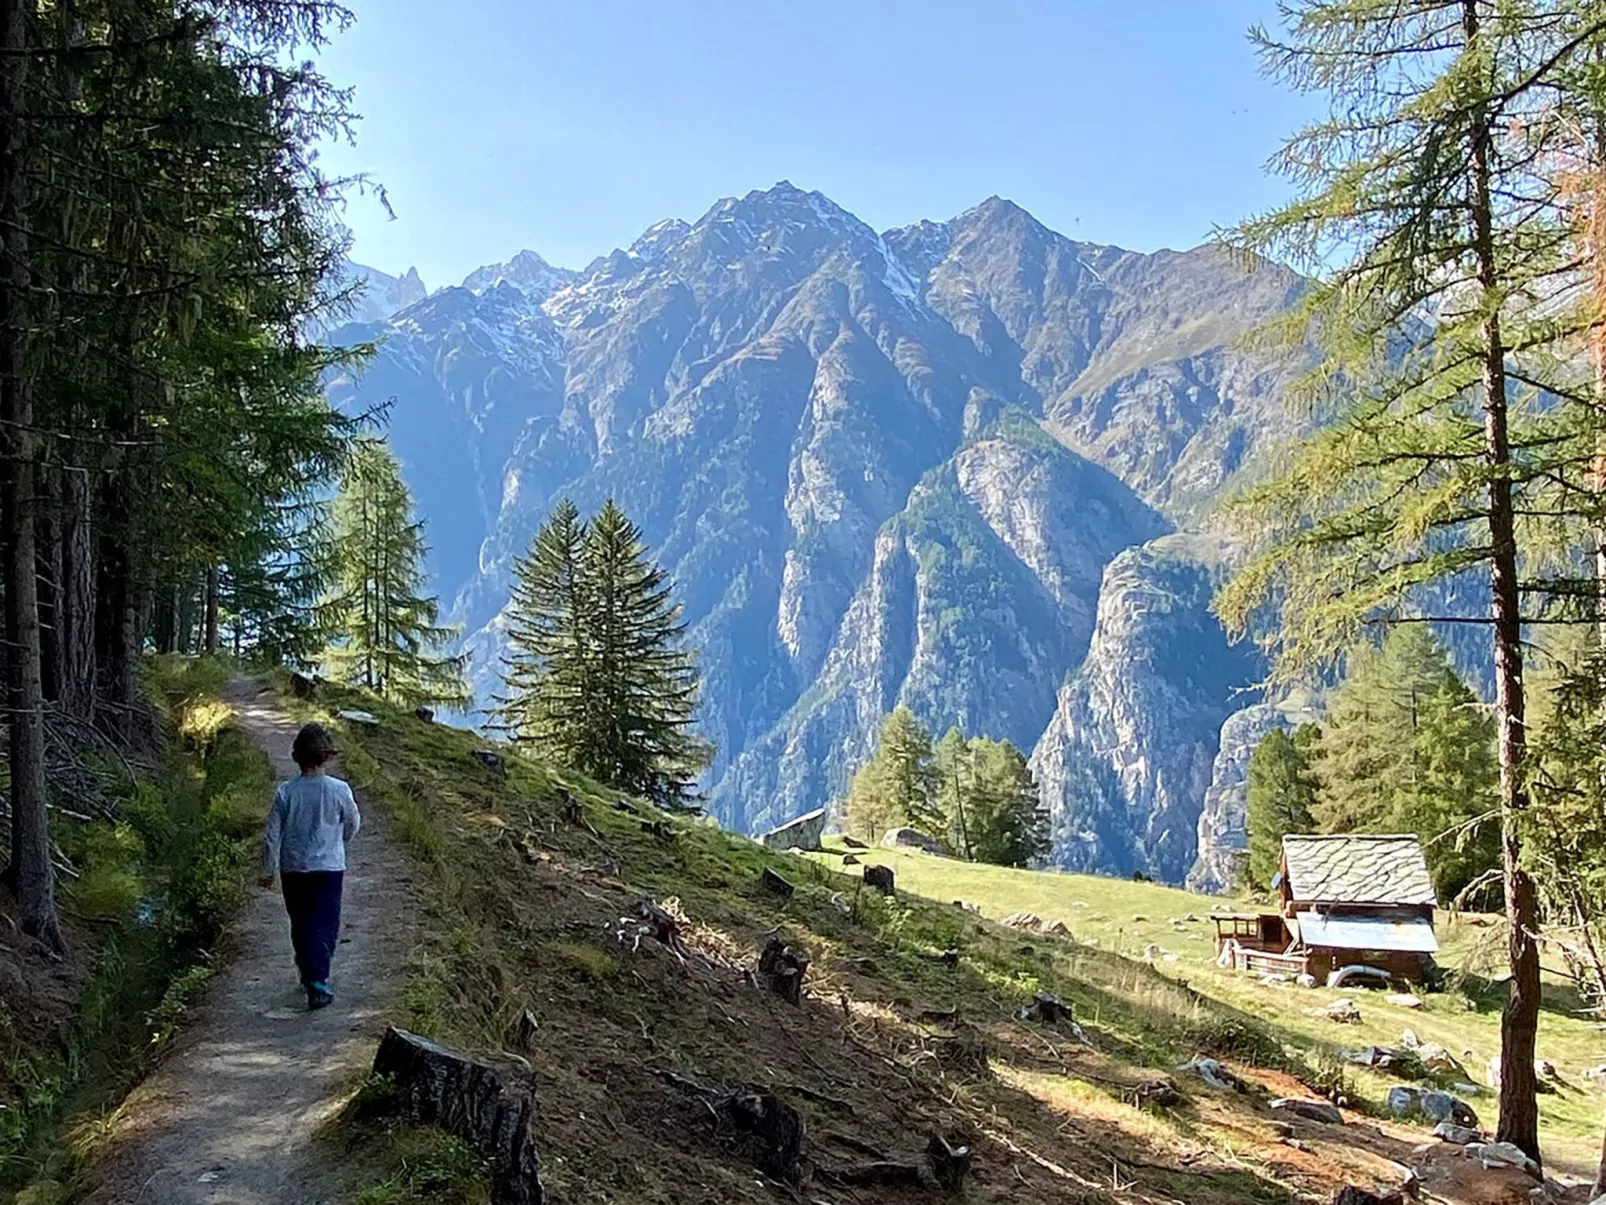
x=850 y=860
x=659 y=831
x=965 y=1051
x=772 y=1125
x=879 y=877
x=492 y=761
x=776 y=883
x=302 y=686
x=783 y=969
x=466 y=1098
x=425 y=714
x=1047 y=1009
x=949 y=1162
x=524 y=1033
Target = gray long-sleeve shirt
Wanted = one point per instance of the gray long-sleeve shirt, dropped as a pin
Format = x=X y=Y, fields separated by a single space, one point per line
x=312 y=819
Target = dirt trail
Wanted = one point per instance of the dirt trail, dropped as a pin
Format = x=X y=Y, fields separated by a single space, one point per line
x=229 y=1116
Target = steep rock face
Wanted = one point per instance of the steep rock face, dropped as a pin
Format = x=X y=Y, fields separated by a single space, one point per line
x=980 y=597
x=1125 y=762
x=834 y=439
x=1223 y=830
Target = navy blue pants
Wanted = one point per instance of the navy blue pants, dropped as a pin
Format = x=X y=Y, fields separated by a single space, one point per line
x=312 y=898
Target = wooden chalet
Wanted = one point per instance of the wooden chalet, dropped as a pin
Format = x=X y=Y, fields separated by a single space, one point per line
x=1346 y=901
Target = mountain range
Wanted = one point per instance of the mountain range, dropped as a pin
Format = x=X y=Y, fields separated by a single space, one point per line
x=967 y=466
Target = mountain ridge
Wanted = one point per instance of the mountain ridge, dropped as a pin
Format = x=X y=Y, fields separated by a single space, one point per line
x=827 y=431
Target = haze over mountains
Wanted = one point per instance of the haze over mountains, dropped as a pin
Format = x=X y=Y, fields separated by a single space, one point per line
x=962 y=465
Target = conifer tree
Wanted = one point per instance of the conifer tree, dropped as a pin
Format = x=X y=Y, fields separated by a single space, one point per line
x=388 y=636
x=1409 y=748
x=548 y=663
x=1006 y=821
x=898 y=786
x=1281 y=790
x=639 y=683
x=1439 y=243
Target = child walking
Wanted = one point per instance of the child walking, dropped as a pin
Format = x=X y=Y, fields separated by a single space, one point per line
x=313 y=818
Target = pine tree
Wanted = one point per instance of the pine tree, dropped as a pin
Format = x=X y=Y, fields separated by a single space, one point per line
x=389 y=639
x=549 y=658
x=1440 y=241
x=898 y=786
x=1281 y=791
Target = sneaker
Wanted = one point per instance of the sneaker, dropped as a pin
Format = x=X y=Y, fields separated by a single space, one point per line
x=319 y=996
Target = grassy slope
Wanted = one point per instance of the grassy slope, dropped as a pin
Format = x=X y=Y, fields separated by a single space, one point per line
x=524 y=911
x=1126 y=918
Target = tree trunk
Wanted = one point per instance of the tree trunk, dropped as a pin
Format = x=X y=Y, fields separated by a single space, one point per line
x=35 y=875
x=1519 y=1023
x=48 y=548
x=77 y=595
x=212 y=643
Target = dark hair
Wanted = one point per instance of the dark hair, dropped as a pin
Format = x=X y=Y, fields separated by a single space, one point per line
x=313 y=746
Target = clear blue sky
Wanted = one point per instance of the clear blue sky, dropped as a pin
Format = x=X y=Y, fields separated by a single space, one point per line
x=569 y=126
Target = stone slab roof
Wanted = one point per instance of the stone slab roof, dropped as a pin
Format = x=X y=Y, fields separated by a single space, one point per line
x=1357 y=869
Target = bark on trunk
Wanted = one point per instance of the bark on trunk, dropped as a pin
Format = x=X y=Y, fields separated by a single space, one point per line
x=1519 y=1024
x=212 y=641
x=35 y=875
x=77 y=595
x=48 y=531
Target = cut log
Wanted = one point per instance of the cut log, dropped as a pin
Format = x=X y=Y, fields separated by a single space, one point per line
x=467 y=1099
x=949 y=1162
x=782 y=969
x=879 y=877
x=776 y=883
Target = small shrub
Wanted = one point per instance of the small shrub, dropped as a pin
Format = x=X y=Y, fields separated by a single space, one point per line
x=104 y=892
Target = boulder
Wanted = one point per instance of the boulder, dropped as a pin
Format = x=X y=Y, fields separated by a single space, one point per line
x=1403 y=1000
x=1404 y=1100
x=1436 y=1058
x=1311 y=1110
x=1343 y=1011
x=1448 y=1131
x=1023 y=920
x=1503 y=1154
x=911 y=838
x=1441 y=1106
x=1214 y=1073
x=854 y=843
x=804 y=832
x=850 y=860
x=366 y=718
x=1306 y=980
x=881 y=878
x=437 y=1087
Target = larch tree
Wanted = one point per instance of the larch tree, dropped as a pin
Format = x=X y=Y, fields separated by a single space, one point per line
x=1281 y=791
x=388 y=634
x=1442 y=254
x=899 y=785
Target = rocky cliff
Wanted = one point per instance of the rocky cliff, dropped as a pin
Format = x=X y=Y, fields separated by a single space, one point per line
x=883 y=467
